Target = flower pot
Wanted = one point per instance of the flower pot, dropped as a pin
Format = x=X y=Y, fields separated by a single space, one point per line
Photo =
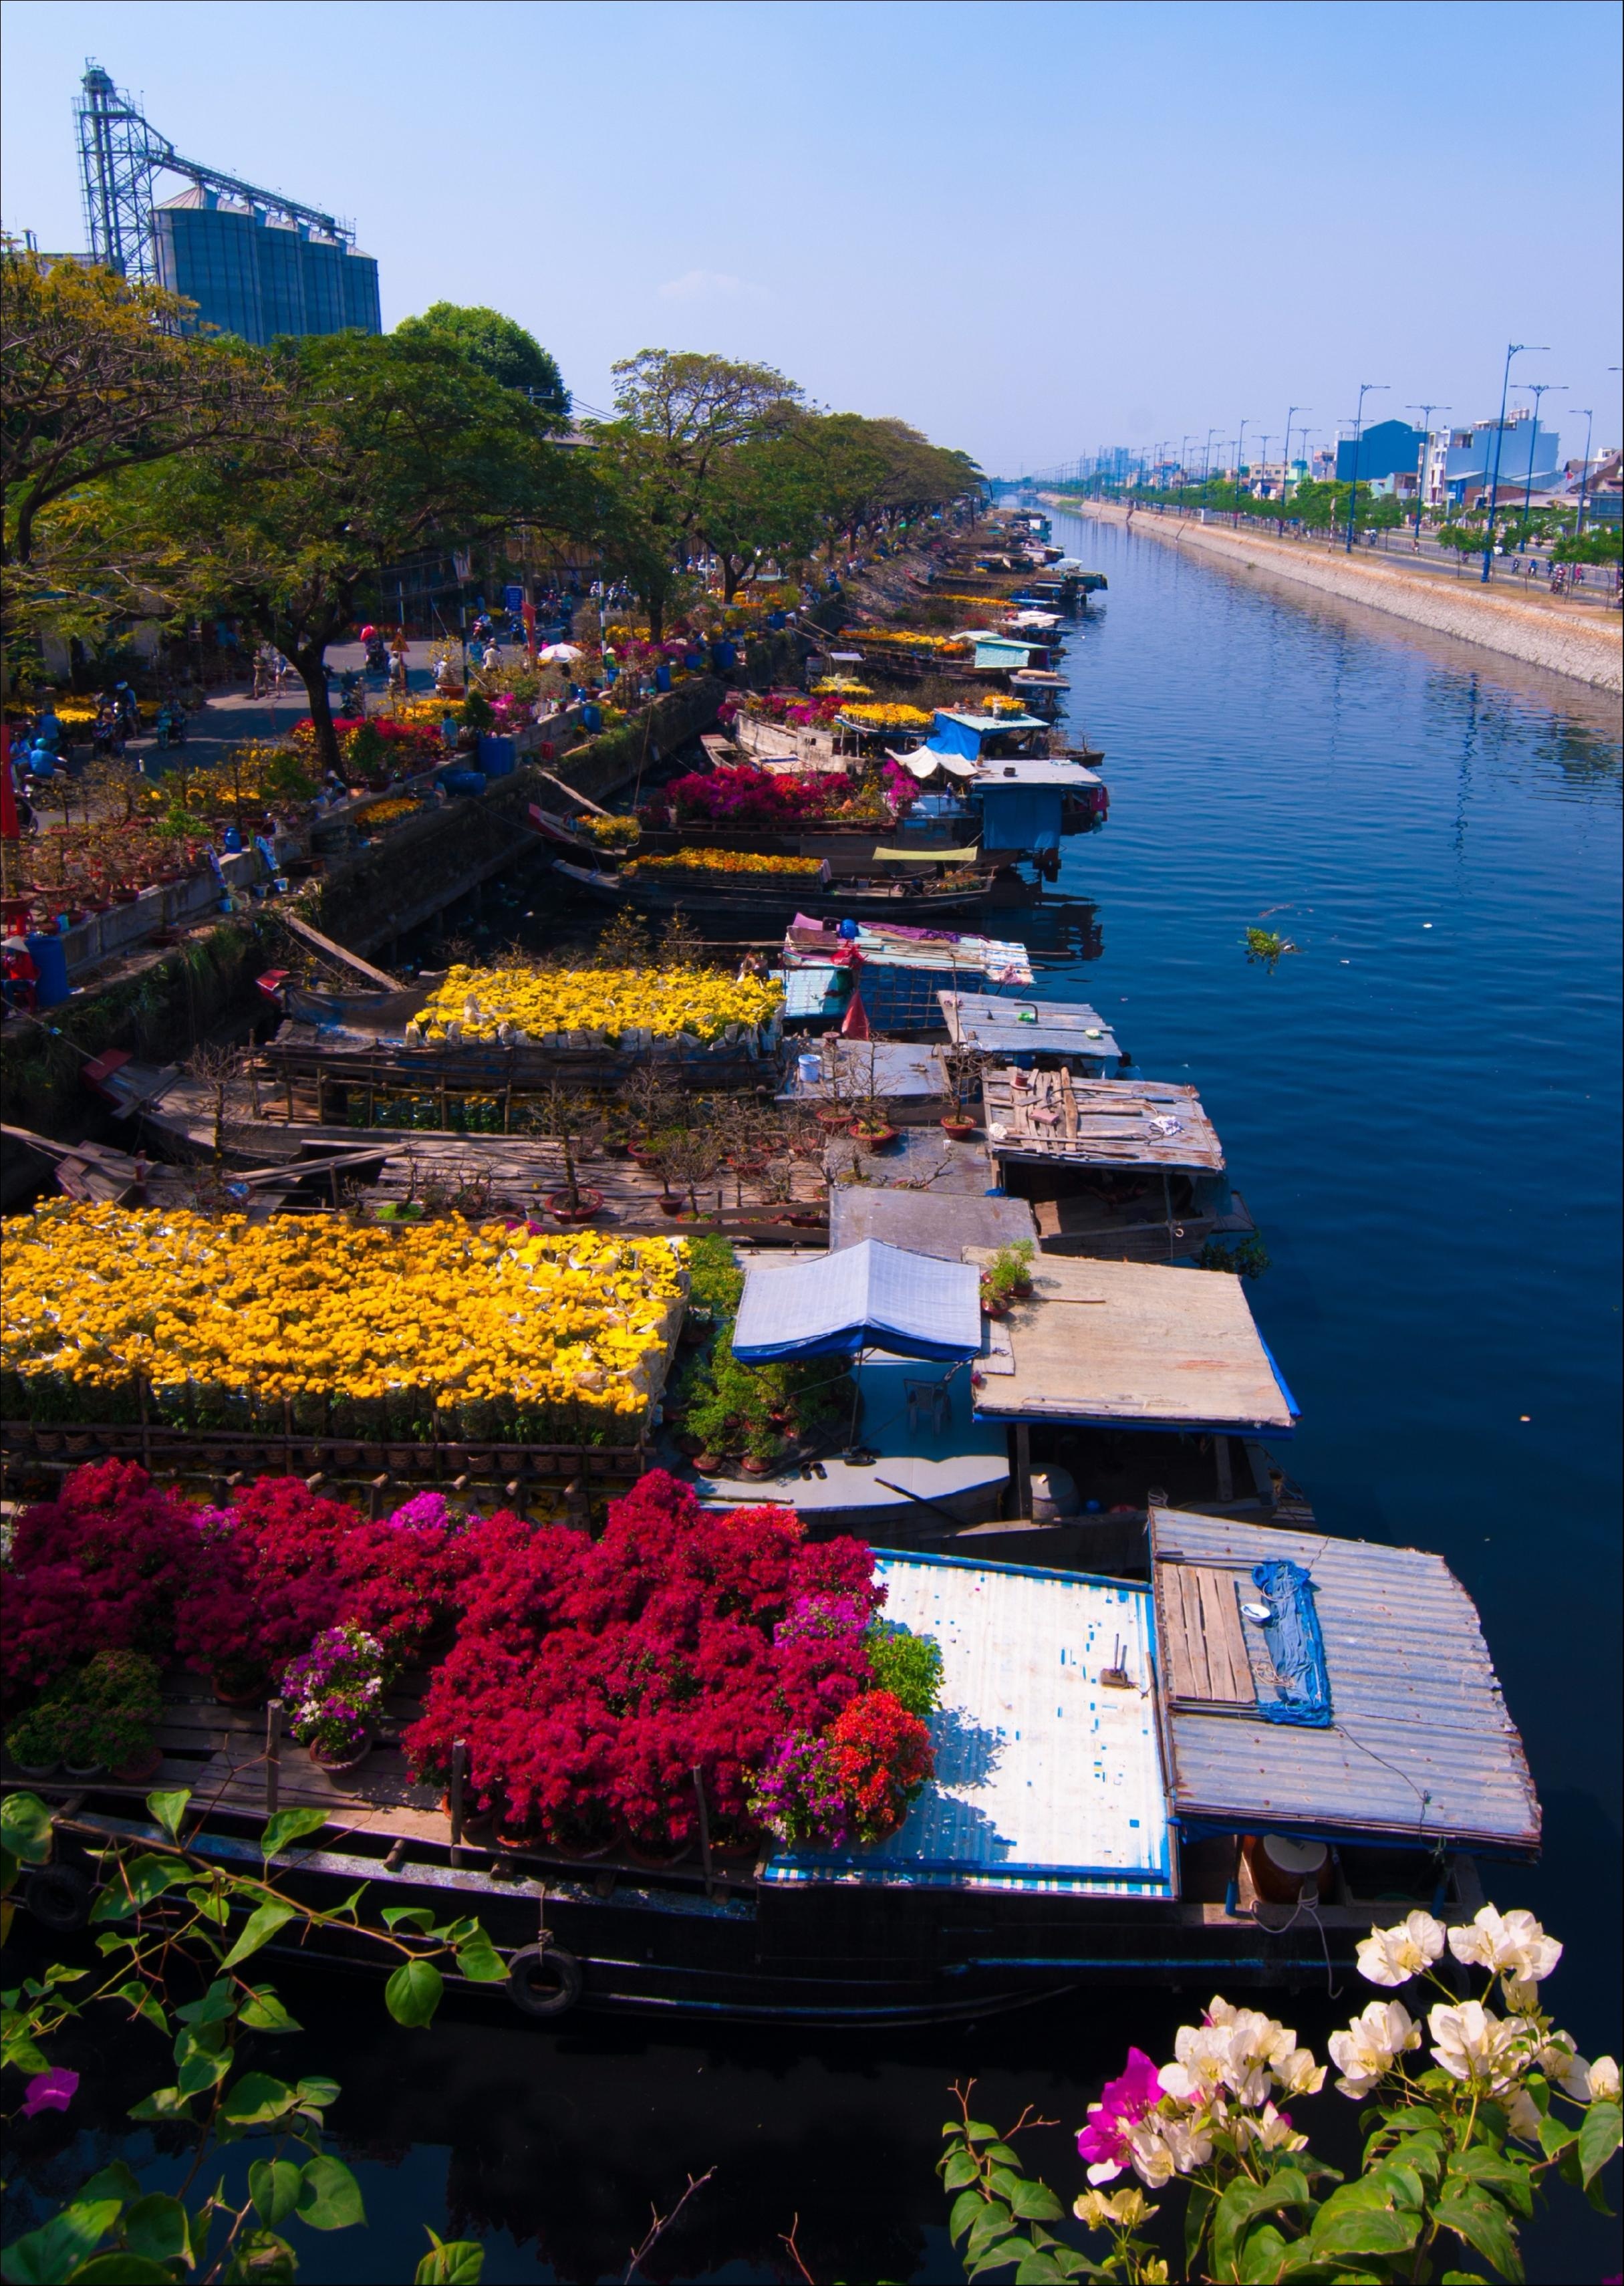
x=960 y=1129
x=141 y=1766
x=84 y=1770
x=644 y=1153
x=833 y=1118
x=37 y=1772
x=691 y=1447
x=239 y=1691
x=587 y=1204
x=752 y=1467
x=583 y=1853
x=336 y=1761
x=657 y=1856
x=871 y=1138
x=994 y=1306
x=616 y=1147
x=517 y=1845
x=669 y=1203
x=710 y=1464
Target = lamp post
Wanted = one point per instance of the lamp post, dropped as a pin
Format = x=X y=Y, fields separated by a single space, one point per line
x=1184 y=444
x=1584 y=469
x=1426 y=413
x=1536 y=390
x=1285 y=472
x=1264 y=462
x=1206 y=471
x=1240 y=456
x=1513 y=348
x=1365 y=389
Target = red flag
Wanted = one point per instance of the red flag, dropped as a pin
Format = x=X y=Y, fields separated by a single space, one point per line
x=10 y=830
x=855 y=1026
x=528 y=614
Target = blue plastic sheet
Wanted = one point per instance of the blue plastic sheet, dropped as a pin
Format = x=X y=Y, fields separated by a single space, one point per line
x=1302 y=1689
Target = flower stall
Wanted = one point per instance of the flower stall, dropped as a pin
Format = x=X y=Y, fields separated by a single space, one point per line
x=627 y=1006
x=726 y=862
x=421 y=1331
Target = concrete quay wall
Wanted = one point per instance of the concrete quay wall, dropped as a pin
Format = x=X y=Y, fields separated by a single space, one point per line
x=1572 y=640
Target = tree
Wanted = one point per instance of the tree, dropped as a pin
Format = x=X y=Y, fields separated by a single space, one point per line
x=763 y=499
x=498 y=346
x=380 y=443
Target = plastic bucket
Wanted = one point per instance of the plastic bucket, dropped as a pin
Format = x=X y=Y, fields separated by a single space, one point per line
x=1283 y=1871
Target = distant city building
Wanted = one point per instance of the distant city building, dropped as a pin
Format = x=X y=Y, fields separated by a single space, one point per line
x=1469 y=465
x=1382 y=450
x=258 y=278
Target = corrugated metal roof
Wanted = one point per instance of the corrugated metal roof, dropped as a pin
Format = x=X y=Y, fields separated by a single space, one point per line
x=1045 y=1779
x=1421 y=1748
x=925 y=1222
x=1014 y=1027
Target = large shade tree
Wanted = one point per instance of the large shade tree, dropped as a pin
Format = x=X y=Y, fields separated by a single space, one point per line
x=382 y=446
x=498 y=346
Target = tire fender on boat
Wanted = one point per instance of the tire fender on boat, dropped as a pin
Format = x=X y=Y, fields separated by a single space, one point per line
x=544 y=1980
x=59 y=1897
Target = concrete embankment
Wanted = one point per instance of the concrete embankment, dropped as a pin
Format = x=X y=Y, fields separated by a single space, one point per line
x=1576 y=640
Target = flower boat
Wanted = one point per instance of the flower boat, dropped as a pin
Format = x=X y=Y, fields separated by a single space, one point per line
x=1204 y=1768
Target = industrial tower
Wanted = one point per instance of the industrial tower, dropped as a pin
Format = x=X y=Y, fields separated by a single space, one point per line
x=119 y=156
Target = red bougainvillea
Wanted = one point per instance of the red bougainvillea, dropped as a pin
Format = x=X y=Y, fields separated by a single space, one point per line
x=879 y=1756
x=589 y=1681
x=104 y=1566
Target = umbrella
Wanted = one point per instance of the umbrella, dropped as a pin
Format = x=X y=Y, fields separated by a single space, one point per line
x=559 y=651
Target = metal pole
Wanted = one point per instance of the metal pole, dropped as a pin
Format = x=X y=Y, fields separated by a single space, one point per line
x=1365 y=388
x=1536 y=390
x=1584 y=471
x=1513 y=348
x=1285 y=471
x=1240 y=456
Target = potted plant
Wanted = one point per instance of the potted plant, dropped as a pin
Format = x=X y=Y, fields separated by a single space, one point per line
x=335 y=1696
x=35 y=1741
x=1007 y=1277
x=119 y=1703
x=872 y=1129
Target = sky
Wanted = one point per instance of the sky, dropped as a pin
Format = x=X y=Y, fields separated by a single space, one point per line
x=1031 y=228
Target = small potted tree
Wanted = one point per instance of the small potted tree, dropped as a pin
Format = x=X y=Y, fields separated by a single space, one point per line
x=335 y=1694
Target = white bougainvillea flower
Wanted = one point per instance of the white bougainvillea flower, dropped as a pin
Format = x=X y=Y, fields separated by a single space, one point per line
x=1509 y=1944
x=1270 y=2131
x=1367 y=2050
x=1471 y=2044
x=1393 y=1956
x=1523 y=2117
x=1604 y=2080
x=1299 y=2074
x=1189 y=2142
x=1150 y=2156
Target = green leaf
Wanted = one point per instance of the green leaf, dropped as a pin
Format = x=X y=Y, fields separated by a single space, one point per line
x=1035 y=2202
x=1598 y=2139
x=317 y=2094
x=289 y=1825
x=958 y=2169
x=117 y=2268
x=263 y=1924
x=261 y=2258
x=330 y=2197
x=1422 y=2155
x=201 y=2069
x=1510 y=2179
x=996 y=2257
x=966 y=2207
x=143 y=2001
x=451 y=2262
x=264 y=2012
x=1556 y=2136
x=217 y=2006
x=1004 y=2182
x=1242 y=2203
x=1483 y=2224
x=479 y=1961
x=257 y=2099
x=1363 y=2230
x=156 y=2228
x=162 y=2103
x=413 y=1993
x=1002 y=2154
x=1037 y=2267
x=113 y=2181
x=170 y=1810
x=1262 y=2255
x=58 y=1974
x=210 y=1905
x=143 y=1881
x=1196 y=2213
x=19 y=2048
x=417 y=1917
x=992 y=2223
x=978 y=2132
x=49 y=2253
x=25 y=1830
x=274 y=2187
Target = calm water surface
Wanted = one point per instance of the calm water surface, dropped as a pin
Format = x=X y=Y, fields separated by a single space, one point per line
x=1421 y=1107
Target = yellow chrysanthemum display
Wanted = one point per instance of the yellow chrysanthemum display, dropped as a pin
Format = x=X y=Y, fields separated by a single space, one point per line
x=887 y=718
x=448 y=1328
x=907 y=637
x=723 y=860
x=476 y=1004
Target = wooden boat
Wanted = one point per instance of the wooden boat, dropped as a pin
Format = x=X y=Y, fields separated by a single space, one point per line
x=1029 y=1866
x=701 y=894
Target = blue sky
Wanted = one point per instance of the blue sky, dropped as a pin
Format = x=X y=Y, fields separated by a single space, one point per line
x=1029 y=228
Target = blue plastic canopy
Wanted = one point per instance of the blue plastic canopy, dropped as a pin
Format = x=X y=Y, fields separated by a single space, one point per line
x=1019 y=817
x=870 y=1295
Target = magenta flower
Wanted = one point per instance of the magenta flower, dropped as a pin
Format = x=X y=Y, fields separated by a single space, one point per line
x=1122 y=2103
x=49 y=2091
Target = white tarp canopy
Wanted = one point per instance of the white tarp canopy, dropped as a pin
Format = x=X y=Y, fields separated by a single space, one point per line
x=867 y=1296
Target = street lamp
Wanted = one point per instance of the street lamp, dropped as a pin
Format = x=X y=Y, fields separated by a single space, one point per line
x=1285 y=472
x=1513 y=348
x=1426 y=413
x=1536 y=390
x=1584 y=467
x=1206 y=471
x=1184 y=453
x=1365 y=389
x=1239 y=458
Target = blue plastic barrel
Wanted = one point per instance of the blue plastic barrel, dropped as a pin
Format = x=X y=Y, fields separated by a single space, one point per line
x=50 y=959
x=463 y=781
x=496 y=755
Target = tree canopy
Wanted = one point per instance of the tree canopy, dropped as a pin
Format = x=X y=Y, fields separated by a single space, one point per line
x=498 y=346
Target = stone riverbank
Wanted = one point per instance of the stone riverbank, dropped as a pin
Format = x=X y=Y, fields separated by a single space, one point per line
x=1572 y=640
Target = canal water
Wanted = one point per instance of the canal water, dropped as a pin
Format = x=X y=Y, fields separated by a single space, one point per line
x=1420 y=1105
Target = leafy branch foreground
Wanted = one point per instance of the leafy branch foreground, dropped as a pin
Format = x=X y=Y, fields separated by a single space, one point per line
x=161 y=1910
x=1457 y=2153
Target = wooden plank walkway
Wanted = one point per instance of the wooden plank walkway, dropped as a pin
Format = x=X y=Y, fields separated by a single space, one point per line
x=1203 y=1646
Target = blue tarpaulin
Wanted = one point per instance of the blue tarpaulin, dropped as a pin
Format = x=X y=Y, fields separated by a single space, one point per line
x=950 y=736
x=1020 y=816
x=866 y=1296
x=1297 y=1648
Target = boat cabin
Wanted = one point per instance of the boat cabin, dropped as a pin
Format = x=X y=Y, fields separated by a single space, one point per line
x=1031 y=1035
x=1121 y=1169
